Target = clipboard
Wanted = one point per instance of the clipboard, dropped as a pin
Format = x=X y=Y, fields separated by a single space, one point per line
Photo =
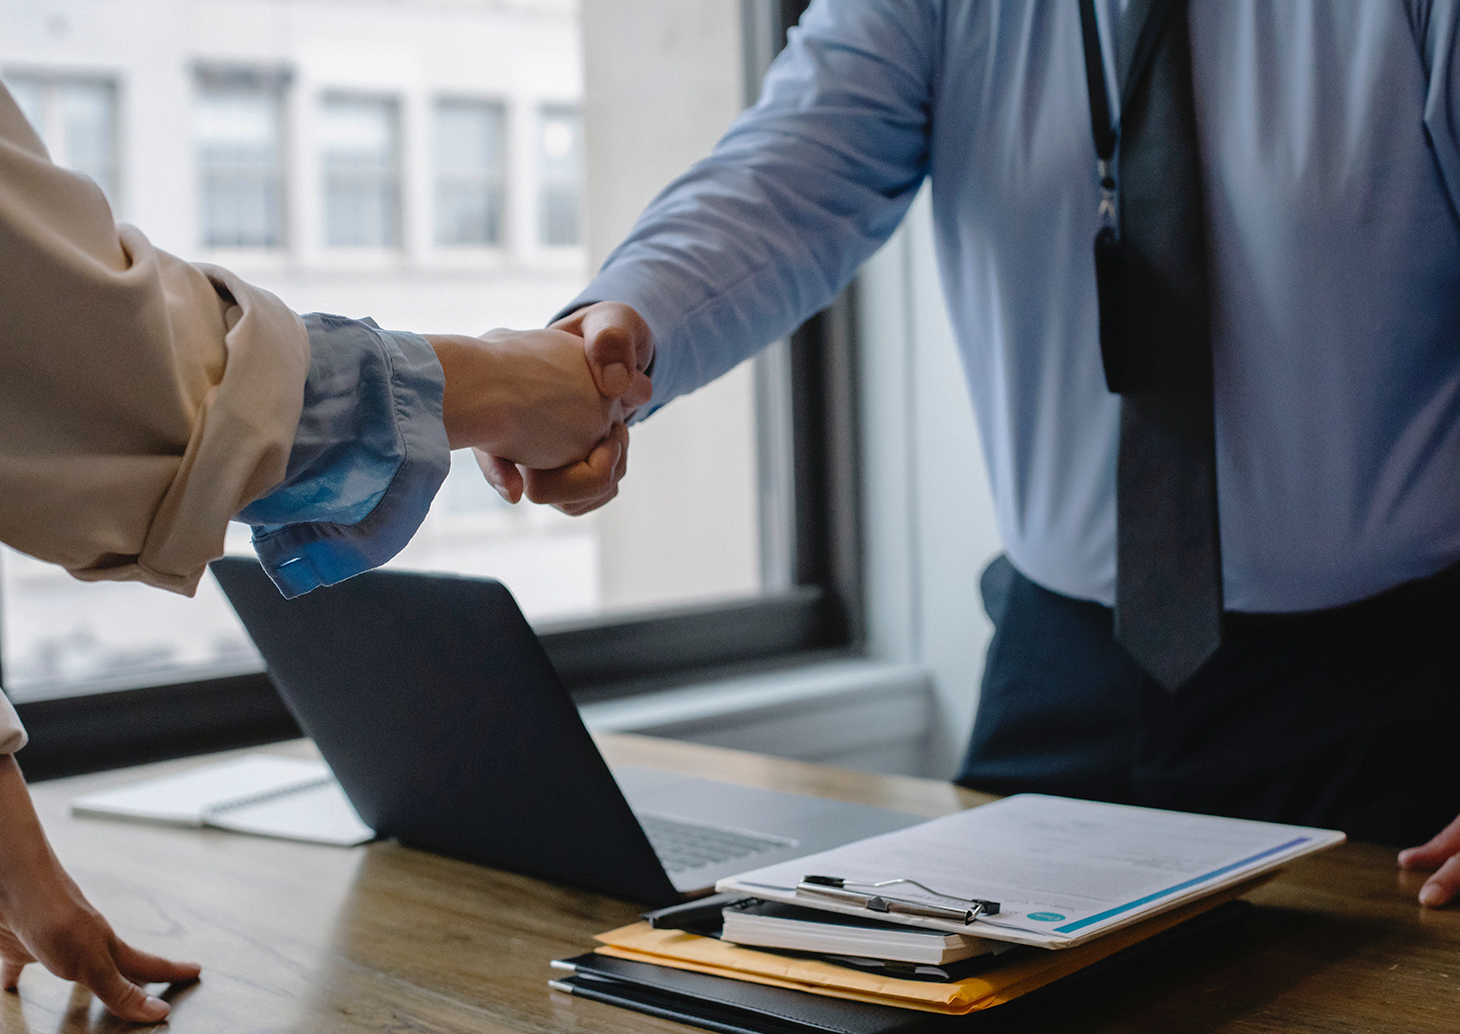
x=1052 y=872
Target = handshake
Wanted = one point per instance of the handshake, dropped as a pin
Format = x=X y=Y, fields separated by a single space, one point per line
x=546 y=411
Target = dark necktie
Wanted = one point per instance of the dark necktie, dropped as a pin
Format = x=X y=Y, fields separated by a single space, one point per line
x=1156 y=345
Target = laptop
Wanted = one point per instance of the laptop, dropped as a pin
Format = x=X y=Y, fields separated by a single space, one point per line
x=442 y=718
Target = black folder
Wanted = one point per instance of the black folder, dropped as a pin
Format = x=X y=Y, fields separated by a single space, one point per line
x=740 y=1007
x=725 y=1005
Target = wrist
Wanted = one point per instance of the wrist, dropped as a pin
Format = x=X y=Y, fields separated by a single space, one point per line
x=25 y=856
x=476 y=404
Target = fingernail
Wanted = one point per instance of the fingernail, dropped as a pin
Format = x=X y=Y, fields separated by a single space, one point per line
x=1432 y=895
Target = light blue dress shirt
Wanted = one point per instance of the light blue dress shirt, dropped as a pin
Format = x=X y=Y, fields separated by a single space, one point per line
x=368 y=458
x=1330 y=137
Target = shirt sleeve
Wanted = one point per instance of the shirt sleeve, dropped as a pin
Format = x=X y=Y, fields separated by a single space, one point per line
x=368 y=457
x=12 y=733
x=801 y=190
x=143 y=400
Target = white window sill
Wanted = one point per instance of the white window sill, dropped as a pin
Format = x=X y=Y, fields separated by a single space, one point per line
x=870 y=715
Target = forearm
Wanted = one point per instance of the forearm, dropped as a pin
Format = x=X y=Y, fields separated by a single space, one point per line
x=476 y=409
x=382 y=411
x=25 y=855
x=800 y=191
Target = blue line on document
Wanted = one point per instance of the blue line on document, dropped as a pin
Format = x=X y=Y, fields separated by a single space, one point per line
x=1118 y=909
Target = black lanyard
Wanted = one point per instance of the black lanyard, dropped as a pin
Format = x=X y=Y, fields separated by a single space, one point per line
x=1100 y=126
x=1106 y=135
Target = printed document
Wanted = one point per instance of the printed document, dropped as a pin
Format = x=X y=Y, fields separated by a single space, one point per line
x=1063 y=871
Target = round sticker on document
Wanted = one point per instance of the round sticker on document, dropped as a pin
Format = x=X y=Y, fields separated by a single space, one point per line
x=1046 y=917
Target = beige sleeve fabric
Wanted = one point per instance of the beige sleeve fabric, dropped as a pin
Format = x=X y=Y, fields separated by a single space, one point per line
x=143 y=400
x=12 y=733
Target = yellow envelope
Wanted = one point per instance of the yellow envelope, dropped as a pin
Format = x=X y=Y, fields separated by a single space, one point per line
x=640 y=942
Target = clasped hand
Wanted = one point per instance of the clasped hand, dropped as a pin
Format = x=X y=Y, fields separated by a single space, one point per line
x=546 y=411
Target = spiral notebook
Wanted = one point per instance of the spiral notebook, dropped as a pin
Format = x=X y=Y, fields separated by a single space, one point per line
x=262 y=794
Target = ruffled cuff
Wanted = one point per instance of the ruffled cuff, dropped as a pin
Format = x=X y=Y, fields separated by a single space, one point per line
x=370 y=454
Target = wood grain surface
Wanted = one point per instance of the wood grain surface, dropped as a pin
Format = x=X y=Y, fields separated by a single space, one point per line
x=319 y=940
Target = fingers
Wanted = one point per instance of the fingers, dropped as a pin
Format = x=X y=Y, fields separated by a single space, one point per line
x=1441 y=888
x=1441 y=853
x=501 y=474
x=1443 y=845
x=619 y=347
x=122 y=998
x=152 y=969
x=575 y=489
x=580 y=487
x=10 y=972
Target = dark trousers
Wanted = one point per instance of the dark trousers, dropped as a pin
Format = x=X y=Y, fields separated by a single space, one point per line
x=1346 y=718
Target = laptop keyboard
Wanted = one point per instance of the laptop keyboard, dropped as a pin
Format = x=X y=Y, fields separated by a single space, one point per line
x=684 y=845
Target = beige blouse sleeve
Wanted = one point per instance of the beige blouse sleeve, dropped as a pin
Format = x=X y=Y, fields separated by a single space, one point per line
x=12 y=734
x=143 y=401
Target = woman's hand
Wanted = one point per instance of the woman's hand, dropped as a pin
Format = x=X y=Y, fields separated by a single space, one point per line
x=45 y=918
x=618 y=348
x=525 y=396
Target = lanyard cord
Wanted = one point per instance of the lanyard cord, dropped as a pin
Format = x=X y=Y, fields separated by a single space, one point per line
x=1140 y=62
x=1106 y=134
x=1100 y=125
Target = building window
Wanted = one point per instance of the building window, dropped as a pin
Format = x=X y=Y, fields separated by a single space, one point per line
x=77 y=120
x=360 y=142
x=470 y=191
x=560 y=158
x=737 y=544
x=237 y=135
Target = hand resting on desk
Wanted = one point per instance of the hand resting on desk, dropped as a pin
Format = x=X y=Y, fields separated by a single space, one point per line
x=45 y=918
x=1441 y=856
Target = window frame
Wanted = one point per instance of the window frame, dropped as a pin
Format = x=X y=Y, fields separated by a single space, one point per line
x=391 y=176
x=52 y=82
x=497 y=181
x=819 y=615
x=272 y=84
x=548 y=183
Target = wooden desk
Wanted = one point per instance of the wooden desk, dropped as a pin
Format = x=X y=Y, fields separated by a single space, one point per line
x=320 y=940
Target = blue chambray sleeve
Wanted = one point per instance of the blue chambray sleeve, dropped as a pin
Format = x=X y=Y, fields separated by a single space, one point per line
x=368 y=458
x=800 y=191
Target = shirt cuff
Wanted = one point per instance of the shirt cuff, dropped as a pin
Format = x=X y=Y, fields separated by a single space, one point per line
x=368 y=458
x=12 y=733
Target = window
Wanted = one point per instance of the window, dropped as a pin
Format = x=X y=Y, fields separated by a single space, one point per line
x=60 y=637
x=470 y=166
x=560 y=154
x=237 y=135
x=735 y=540
x=360 y=149
x=77 y=120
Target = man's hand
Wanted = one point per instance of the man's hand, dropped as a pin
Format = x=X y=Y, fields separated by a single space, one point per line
x=1441 y=856
x=525 y=396
x=619 y=348
x=45 y=918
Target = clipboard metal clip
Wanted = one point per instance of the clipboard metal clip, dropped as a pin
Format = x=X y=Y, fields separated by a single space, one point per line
x=834 y=888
